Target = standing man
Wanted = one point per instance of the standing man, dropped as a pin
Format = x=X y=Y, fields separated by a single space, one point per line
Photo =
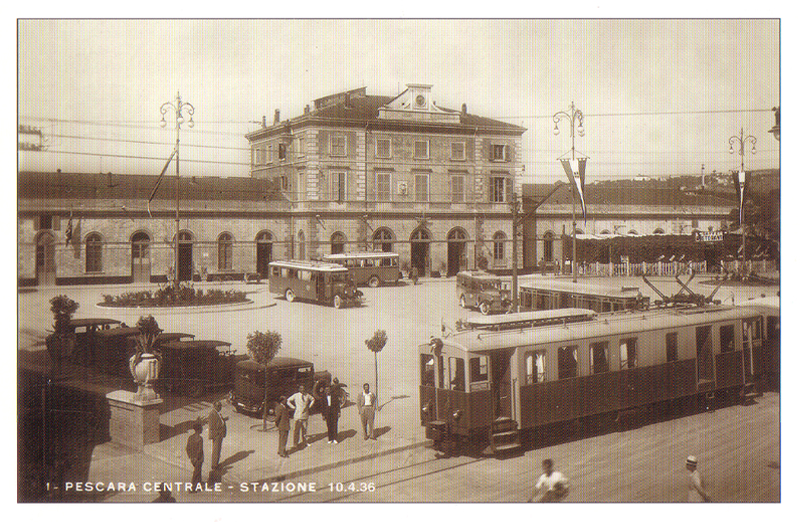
x=301 y=402
x=282 y=416
x=217 y=431
x=552 y=484
x=194 y=449
x=367 y=401
x=330 y=412
x=696 y=491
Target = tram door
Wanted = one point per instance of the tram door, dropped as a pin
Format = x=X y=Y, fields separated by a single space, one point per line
x=501 y=384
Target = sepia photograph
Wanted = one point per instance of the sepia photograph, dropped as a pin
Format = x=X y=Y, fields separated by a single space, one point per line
x=398 y=261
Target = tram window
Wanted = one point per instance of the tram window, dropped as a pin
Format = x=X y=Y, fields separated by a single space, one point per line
x=534 y=366
x=478 y=369
x=567 y=362
x=627 y=353
x=441 y=371
x=672 y=346
x=456 y=375
x=726 y=339
x=599 y=354
x=427 y=368
x=752 y=325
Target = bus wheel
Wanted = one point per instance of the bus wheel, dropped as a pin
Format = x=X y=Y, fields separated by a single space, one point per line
x=337 y=301
x=374 y=282
x=463 y=301
x=289 y=295
x=484 y=308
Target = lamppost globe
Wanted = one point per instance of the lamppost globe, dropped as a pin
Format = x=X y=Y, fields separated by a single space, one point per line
x=555 y=130
x=163 y=123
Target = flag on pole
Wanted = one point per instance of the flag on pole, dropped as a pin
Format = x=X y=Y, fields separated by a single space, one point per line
x=572 y=167
x=740 y=182
x=160 y=177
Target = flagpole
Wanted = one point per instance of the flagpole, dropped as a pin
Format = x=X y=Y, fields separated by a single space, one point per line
x=177 y=107
x=572 y=116
x=741 y=184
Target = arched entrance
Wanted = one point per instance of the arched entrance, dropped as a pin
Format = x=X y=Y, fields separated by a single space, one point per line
x=337 y=243
x=185 y=262
x=456 y=251
x=46 y=259
x=140 y=257
x=263 y=253
x=420 y=250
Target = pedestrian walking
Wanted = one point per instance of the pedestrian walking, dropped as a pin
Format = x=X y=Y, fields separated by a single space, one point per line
x=282 y=416
x=301 y=402
x=217 y=431
x=367 y=402
x=414 y=274
x=551 y=484
x=330 y=412
x=194 y=449
x=695 y=483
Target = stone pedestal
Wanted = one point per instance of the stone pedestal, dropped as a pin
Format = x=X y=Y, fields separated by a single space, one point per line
x=133 y=423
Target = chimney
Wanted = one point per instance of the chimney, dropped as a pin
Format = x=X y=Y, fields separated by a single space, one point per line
x=277 y=116
x=307 y=109
x=264 y=121
x=464 y=109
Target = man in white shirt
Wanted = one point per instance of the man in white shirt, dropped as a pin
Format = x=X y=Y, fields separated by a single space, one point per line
x=553 y=484
x=696 y=491
x=301 y=402
x=367 y=402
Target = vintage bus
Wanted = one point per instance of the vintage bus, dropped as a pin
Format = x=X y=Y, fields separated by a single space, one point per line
x=481 y=290
x=550 y=294
x=369 y=268
x=326 y=283
x=496 y=388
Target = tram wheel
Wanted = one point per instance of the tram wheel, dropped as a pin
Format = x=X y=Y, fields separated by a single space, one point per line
x=290 y=295
x=374 y=282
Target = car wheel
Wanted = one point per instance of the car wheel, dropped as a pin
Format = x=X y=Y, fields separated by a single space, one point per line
x=374 y=282
x=463 y=301
x=484 y=308
x=343 y=399
x=337 y=301
x=290 y=295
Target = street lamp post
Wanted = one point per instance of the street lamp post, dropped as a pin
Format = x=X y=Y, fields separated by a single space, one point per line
x=574 y=115
x=177 y=107
x=741 y=140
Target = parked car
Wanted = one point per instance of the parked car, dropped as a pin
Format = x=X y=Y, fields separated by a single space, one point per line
x=483 y=291
x=284 y=376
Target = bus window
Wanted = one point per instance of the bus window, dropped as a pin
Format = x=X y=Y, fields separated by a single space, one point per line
x=672 y=346
x=304 y=275
x=534 y=366
x=427 y=368
x=369 y=262
x=598 y=352
x=478 y=369
x=606 y=305
x=456 y=376
x=726 y=338
x=285 y=273
x=337 y=278
x=627 y=353
x=567 y=362
x=276 y=271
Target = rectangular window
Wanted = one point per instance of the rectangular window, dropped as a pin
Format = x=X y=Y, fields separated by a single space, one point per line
x=534 y=367
x=751 y=328
x=672 y=346
x=339 y=186
x=598 y=352
x=421 y=187
x=427 y=378
x=457 y=188
x=456 y=375
x=338 y=145
x=260 y=155
x=627 y=353
x=567 y=362
x=301 y=145
x=269 y=154
x=500 y=189
x=726 y=338
x=281 y=151
x=94 y=255
x=458 y=151
x=421 y=149
x=383 y=148
x=383 y=186
x=705 y=361
x=478 y=369
x=499 y=152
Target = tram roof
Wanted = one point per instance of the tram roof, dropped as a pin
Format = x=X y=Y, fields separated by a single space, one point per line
x=606 y=325
x=359 y=255
x=534 y=318
x=319 y=266
x=556 y=285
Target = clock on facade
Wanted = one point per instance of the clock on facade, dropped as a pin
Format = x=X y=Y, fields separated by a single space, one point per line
x=420 y=99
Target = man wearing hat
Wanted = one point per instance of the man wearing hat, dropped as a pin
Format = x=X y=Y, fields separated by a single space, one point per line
x=696 y=491
x=194 y=449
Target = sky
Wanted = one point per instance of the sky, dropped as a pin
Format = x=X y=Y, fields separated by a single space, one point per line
x=659 y=97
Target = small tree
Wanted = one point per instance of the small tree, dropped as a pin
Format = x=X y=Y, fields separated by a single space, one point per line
x=61 y=342
x=376 y=344
x=263 y=347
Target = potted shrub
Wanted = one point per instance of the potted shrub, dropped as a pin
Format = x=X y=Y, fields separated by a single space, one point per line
x=61 y=343
x=145 y=364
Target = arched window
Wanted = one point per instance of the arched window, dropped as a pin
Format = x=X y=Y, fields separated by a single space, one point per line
x=578 y=231
x=457 y=234
x=658 y=231
x=337 y=243
x=632 y=232
x=499 y=240
x=94 y=252
x=382 y=240
x=547 y=245
x=420 y=234
x=605 y=231
x=264 y=237
x=140 y=245
x=225 y=251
